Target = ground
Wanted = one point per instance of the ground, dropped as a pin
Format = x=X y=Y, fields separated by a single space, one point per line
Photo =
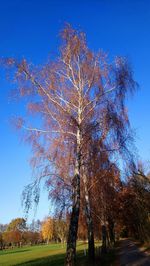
x=52 y=254
x=130 y=254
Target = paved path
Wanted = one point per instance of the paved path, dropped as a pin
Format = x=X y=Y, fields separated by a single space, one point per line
x=130 y=255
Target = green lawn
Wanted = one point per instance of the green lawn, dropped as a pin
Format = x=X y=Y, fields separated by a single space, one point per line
x=52 y=254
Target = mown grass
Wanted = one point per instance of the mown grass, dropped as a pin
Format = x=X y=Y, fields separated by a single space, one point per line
x=52 y=254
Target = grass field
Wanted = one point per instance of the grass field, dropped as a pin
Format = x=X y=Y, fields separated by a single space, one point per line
x=52 y=254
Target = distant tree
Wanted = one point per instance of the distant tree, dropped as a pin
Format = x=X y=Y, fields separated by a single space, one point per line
x=60 y=229
x=32 y=237
x=17 y=224
x=35 y=226
x=12 y=238
x=15 y=231
x=1 y=241
x=47 y=229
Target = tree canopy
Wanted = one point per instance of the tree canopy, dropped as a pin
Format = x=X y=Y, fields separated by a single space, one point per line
x=78 y=127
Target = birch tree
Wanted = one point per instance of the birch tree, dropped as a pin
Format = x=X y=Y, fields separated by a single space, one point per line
x=75 y=95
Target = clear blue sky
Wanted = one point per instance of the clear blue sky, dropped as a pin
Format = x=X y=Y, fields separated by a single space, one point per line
x=30 y=28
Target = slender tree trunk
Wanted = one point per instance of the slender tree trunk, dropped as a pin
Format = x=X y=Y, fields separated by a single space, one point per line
x=89 y=221
x=104 y=238
x=73 y=228
x=111 y=231
x=91 y=247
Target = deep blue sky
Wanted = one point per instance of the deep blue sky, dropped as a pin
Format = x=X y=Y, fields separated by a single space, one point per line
x=31 y=29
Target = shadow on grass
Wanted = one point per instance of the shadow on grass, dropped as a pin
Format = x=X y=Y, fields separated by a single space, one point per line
x=53 y=260
x=57 y=260
x=4 y=252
